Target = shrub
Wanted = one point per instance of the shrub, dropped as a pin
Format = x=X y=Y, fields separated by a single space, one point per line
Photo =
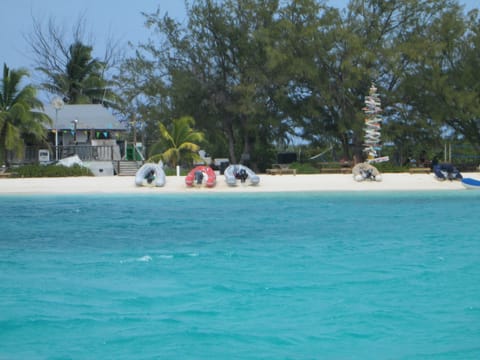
x=50 y=171
x=387 y=167
x=173 y=171
x=304 y=168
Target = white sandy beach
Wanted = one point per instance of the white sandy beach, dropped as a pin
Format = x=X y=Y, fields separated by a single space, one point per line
x=268 y=183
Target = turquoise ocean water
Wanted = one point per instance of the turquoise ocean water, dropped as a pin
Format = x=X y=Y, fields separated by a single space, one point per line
x=236 y=276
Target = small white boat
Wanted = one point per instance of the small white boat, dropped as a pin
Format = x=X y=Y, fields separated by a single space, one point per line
x=240 y=172
x=150 y=174
x=470 y=183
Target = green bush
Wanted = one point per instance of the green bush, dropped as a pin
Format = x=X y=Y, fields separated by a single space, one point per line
x=50 y=171
x=173 y=171
x=387 y=167
x=304 y=168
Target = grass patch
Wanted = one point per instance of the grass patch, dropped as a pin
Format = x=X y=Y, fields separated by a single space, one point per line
x=304 y=168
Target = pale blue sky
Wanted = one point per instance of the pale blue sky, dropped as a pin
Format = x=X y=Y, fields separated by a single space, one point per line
x=120 y=19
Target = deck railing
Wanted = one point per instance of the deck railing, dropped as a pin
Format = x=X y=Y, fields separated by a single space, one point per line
x=84 y=152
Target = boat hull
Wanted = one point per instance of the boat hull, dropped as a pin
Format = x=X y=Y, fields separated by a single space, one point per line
x=150 y=174
x=446 y=171
x=470 y=183
x=201 y=175
x=235 y=173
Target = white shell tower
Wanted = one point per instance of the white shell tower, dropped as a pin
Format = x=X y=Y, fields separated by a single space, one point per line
x=373 y=121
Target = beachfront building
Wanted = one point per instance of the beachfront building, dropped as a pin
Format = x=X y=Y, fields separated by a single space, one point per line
x=89 y=131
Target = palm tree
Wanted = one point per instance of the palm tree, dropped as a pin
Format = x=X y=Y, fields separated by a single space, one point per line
x=19 y=113
x=82 y=81
x=179 y=145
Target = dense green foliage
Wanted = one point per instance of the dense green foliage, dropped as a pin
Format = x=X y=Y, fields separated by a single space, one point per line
x=305 y=168
x=50 y=171
x=388 y=167
x=173 y=172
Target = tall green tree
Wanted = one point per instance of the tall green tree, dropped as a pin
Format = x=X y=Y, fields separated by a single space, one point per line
x=19 y=114
x=179 y=144
x=446 y=84
x=299 y=61
x=81 y=82
x=144 y=96
x=214 y=69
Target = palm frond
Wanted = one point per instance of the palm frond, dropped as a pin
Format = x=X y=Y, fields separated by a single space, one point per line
x=181 y=143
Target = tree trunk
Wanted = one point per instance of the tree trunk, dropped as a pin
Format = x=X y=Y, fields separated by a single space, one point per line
x=231 y=142
x=245 y=160
x=345 y=147
x=3 y=150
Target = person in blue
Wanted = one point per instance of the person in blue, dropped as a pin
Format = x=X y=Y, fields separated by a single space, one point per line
x=150 y=176
x=242 y=175
x=199 y=177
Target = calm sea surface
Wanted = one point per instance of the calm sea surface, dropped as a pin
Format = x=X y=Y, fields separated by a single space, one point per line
x=235 y=276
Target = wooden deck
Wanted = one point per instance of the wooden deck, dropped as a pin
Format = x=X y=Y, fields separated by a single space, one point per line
x=419 y=170
x=335 y=167
x=338 y=170
x=281 y=171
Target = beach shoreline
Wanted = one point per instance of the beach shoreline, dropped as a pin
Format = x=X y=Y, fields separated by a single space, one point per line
x=268 y=183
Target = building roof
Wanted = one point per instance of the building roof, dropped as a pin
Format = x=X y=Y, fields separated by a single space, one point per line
x=89 y=117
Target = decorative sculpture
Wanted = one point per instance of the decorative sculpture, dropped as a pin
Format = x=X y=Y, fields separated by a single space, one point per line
x=373 y=121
